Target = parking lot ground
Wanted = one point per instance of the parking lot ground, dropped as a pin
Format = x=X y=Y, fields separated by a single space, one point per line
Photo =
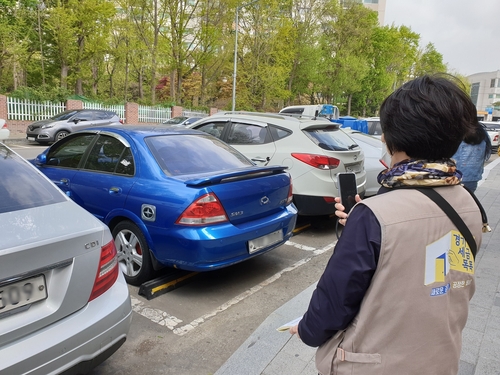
x=195 y=328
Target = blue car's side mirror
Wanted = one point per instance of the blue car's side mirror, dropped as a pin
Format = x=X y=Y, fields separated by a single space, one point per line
x=41 y=159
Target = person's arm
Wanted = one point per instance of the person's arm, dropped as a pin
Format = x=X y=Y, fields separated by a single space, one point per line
x=341 y=288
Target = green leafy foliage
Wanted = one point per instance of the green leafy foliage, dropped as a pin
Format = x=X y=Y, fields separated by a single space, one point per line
x=181 y=52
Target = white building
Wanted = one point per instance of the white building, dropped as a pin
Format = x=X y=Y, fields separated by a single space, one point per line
x=378 y=6
x=485 y=91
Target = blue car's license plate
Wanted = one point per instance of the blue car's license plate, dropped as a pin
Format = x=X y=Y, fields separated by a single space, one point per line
x=265 y=241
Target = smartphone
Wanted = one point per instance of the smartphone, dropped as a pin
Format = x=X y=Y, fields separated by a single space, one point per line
x=347 y=189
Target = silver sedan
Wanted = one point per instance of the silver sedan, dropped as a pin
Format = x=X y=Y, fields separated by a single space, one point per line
x=64 y=305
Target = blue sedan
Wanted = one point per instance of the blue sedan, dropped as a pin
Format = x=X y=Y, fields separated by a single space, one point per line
x=173 y=197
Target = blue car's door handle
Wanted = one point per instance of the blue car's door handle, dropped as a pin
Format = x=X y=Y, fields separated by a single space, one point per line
x=115 y=190
x=62 y=181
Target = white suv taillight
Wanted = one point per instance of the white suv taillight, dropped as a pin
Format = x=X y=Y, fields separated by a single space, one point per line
x=290 y=193
x=107 y=273
x=318 y=161
x=206 y=210
x=495 y=139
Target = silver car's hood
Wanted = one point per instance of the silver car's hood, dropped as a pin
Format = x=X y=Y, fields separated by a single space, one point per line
x=63 y=243
x=37 y=124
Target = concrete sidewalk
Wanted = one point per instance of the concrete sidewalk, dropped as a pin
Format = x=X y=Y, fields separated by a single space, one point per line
x=269 y=352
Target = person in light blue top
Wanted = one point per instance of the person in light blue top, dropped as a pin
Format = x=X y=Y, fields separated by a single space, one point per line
x=471 y=155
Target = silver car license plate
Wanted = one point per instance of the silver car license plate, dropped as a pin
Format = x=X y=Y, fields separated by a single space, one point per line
x=265 y=241
x=31 y=139
x=22 y=293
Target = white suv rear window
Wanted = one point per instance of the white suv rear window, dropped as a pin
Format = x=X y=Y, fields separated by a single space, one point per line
x=331 y=138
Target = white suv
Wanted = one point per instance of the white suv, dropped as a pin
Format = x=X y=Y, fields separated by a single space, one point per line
x=314 y=150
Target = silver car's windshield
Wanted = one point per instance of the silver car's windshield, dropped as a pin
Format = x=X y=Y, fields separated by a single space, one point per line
x=21 y=186
x=63 y=116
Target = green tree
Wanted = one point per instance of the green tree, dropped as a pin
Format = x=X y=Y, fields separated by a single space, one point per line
x=429 y=61
x=391 y=59
x=346 y=45
x=303 y=40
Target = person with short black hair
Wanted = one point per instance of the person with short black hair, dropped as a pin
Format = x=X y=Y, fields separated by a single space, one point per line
x=394 y=296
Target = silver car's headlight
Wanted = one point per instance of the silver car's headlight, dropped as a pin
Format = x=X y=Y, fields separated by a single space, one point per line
x=47 y=126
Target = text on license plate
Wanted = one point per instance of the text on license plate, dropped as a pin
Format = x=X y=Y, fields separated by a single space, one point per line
x=356 y=168
x=265 y=241
x=22 y=293
x=31 y=139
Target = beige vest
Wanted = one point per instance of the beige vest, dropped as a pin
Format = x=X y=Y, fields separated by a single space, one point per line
x=412 y=316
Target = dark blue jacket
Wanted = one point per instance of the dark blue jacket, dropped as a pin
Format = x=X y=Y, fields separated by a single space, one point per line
x=341 y=288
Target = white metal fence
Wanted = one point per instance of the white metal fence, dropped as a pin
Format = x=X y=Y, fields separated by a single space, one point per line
x=118 y=108
x=190 y=113
x=154 y=114
x=30 y=110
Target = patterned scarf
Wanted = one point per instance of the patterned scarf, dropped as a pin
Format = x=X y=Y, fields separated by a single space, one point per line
x=413 y=172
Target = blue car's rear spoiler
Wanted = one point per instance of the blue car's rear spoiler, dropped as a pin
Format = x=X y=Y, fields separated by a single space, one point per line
x=237 y=174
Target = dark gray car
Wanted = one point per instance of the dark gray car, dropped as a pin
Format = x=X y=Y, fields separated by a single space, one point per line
x=64 y=123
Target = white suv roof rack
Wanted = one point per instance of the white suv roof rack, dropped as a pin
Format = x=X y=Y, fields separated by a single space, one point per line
x=280 y=116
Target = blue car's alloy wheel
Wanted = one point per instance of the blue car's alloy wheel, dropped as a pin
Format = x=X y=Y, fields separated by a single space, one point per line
x=133 y=253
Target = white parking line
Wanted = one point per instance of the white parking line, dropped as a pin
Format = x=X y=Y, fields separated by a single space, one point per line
x=15 y=146
x=171 y=322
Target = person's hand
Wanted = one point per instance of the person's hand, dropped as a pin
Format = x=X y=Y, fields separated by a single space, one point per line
x=294 y=330
x=340 y=209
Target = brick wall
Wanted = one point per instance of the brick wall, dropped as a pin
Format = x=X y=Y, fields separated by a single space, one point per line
x=131 y=113
x=176 y=111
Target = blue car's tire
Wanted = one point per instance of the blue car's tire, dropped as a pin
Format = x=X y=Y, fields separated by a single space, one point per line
x=133 y=253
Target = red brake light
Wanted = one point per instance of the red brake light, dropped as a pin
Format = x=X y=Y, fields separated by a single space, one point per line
x=4 y=126
x=496 y=138
x=107 y=272
x=206 y=210
x=121 y=121
x=318 y=161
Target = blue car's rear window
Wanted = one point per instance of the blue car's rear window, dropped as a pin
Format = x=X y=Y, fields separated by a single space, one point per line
x=190 y=154
x=22 y=186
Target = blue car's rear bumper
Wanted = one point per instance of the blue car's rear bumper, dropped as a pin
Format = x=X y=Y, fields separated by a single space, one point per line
x=212 y=247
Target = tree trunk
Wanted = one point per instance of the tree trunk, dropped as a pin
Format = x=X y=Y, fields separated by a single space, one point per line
x=141 y=89
x=64 y=75
x=126 y=78
x=95 y=79
x=79 y=81
x=172 y=85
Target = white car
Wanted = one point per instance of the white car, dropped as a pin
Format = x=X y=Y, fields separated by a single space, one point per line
x=4 y=131
x=376 y=158
x=493 y=130
x=374 y=127
x=328 y=111
x=314 y=150
x=64 y=304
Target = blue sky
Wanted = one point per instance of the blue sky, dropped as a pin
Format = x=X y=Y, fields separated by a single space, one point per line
x=465 y=32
